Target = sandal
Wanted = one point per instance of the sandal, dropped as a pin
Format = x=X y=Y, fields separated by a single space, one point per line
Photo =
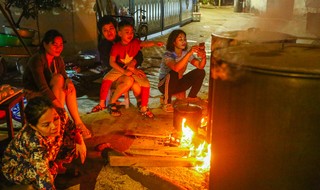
x=86 y=134
x=97 y=108
x=114 y=110
x=147 y=113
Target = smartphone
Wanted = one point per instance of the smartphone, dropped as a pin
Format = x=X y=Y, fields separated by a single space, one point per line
x=201 y=45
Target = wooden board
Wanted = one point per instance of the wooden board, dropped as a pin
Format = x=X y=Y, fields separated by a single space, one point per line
x=136 y=134
x=159 y=151
x=152 y=161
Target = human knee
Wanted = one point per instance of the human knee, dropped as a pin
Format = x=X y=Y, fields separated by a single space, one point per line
x=57 y=81
x=71 y=87
x=125 y=81
x=143 y=82
x=174 y=75
x=200 y=73
x=136 y=88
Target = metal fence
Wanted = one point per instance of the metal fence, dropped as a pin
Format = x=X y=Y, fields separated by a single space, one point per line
x=160 y=14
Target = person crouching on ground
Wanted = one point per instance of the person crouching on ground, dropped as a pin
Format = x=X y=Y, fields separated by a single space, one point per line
x=49 y=139
x=172 y=79
x=45 y=75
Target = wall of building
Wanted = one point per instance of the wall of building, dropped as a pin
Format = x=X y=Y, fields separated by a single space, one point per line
x=257 y=6
x=283 y=6
x=77 y=23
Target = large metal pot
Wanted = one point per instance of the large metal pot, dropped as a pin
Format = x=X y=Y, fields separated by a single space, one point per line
x=265 y=118
x=191 y=112
x=245 y=37
x=251 y=35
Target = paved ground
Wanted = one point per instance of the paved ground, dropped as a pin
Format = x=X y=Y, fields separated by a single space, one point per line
x=109 y=129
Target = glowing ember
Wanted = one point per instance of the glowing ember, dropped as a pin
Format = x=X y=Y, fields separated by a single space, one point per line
x=202 y=153
x=204 y=121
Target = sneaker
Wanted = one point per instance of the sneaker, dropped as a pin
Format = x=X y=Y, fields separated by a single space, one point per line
x=168 y=108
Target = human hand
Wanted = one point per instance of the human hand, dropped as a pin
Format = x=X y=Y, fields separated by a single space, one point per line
x=139 y=73
x=160 y=44
x=81 y=150
x=194 y=49
x=57 y=103
x=127 y=73
x=202 y=53
x=132 y=63
x=202 y=50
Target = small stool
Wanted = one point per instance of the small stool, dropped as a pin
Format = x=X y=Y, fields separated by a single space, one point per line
x=125 y=102
x=7 y=106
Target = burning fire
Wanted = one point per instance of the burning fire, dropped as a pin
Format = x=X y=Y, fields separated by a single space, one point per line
x=201 y=153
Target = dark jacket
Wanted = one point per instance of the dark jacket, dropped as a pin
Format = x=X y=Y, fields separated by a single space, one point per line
x=37 y=75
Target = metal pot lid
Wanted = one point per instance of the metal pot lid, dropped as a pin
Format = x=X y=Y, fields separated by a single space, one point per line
x=279 y=57
x=187 y=108
x=254 y=35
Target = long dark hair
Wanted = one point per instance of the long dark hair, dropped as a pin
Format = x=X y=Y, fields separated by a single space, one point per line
x=48 y=37
x=35 y=108
x=172 y=38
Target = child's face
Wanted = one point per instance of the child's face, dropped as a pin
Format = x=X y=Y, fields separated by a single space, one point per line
x=180 y=42
x=126 y=34
x=109 y=31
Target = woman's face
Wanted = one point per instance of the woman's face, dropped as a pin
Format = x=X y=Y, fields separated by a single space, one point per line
x=109 y=31
x=180 y=42
x=55 y=47
x=48 y=124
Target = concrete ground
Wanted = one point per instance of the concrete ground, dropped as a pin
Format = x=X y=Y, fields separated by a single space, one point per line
x=109 y=129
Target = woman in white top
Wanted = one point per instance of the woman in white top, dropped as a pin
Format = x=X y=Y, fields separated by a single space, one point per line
x=172 y=77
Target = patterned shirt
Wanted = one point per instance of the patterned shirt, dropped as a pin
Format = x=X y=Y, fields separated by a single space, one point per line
x=31 y=158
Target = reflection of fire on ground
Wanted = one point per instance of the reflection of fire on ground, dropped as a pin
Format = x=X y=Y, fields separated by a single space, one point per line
x=187 y=149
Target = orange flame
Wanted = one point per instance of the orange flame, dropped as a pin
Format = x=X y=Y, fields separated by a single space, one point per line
x=201 y=153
